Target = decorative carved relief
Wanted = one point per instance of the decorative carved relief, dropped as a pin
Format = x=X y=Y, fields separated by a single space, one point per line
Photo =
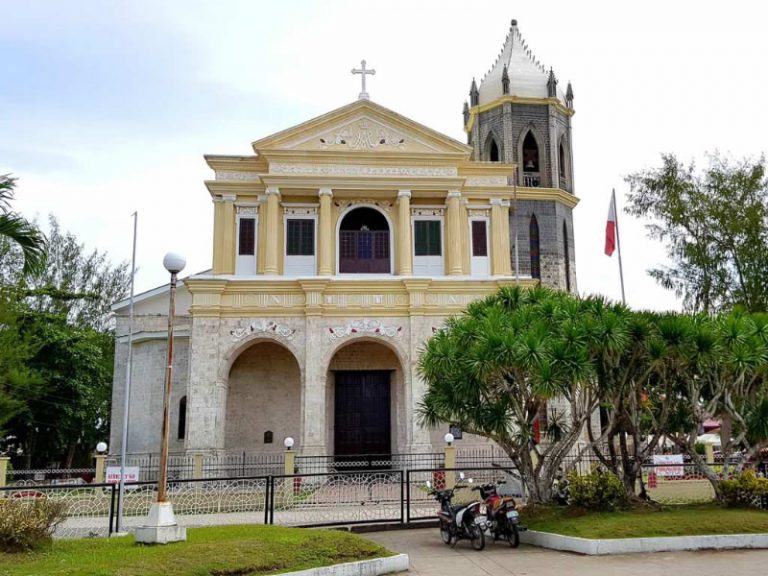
x=447 y=299
x=248 y=210
x=427 y=211
x=486 y=181
x=360 y=170
x=365 y=326
x=267 y=300
x=343 y=205
x=365 y=300
x=289 y=210
x=263 y=327
x=360 y=136
x=237 y=175
x=479 y=212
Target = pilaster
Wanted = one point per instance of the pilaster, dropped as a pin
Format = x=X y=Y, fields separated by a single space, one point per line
x=500 y=264
x=272 y=229
x=325 y=240
x=453 y=236
x=403 y=238
x=228 y=233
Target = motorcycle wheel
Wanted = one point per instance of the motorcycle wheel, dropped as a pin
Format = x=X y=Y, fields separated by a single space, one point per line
x=477 y=537
x=513 y=536
x=445 y=534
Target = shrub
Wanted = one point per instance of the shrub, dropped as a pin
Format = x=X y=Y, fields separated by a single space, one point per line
x=600 y=490
x=744 y=490
x=28 y=524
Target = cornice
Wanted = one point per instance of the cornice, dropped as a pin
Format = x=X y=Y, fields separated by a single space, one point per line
x=475 y=110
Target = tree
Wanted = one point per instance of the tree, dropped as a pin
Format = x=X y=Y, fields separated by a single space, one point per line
x=493 y=370
x=19 y=231
x=80 y=285
x=715 y=229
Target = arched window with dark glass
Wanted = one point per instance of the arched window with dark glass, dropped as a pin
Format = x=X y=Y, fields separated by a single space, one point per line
x=182 y=432
x=492 y=151
x=533 y=234
x=561 y=160
x=567 y=257
x=268 y=437
x=531 y=165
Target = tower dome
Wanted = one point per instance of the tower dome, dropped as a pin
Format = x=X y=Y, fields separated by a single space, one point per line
x=517 y=72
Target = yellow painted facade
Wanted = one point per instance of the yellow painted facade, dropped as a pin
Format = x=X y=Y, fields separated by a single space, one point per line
x=359 y=155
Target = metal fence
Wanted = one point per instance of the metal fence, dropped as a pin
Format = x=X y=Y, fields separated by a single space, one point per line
x=50 y=476
x=323 y=464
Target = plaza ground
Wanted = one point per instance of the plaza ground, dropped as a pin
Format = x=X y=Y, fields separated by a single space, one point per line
x=430 y=557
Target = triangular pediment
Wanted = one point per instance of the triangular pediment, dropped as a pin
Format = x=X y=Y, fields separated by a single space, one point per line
x=362 y=126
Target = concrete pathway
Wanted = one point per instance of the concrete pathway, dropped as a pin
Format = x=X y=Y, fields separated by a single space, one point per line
x=430 y=557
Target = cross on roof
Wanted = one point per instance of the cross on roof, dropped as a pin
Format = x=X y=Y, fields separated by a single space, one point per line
x=363 y=71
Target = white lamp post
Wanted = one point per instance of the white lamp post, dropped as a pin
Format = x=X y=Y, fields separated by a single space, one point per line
x=161 y=526
x=448 y=438
x=288 y=443
x=101 y=447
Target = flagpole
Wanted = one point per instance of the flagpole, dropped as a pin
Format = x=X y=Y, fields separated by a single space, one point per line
x=618 y=245
x=127 y=390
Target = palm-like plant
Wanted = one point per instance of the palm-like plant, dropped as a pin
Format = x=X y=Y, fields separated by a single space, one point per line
x=493 y=370
x=20 y=231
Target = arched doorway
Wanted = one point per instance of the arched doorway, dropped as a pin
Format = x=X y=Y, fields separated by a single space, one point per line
x=263 y=399
x=365 y=399
x=364 y=242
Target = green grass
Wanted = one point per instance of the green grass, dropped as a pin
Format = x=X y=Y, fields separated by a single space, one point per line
x=220 y=551
x=682 y=520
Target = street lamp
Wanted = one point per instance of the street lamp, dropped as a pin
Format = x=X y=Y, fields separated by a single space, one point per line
x=101 y=447
x=288 y=443
x=448 y=438
x=161 y=527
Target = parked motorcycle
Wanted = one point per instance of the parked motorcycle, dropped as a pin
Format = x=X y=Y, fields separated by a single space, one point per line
x=502 y=517
x=458 y=522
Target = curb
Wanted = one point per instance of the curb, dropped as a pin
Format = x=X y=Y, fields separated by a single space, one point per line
x=592 y=547
x=375 y=567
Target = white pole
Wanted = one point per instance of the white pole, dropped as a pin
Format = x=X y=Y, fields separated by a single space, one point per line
x=618 y=246
x=127 y=391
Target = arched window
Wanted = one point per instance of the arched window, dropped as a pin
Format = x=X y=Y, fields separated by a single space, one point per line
x=567 y=257
x=364 y=242
x=182 y=432
x=533 y=234
x=530 y=153
x=561 y=158
x=493 y=156
x=268 y=437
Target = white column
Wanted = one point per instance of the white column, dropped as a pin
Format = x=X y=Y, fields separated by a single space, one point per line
x=272 y=229
x=403 y=239
x=325 y=240
x=453 y=235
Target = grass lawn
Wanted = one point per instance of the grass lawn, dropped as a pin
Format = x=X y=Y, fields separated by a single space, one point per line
x=219 y=551
x=681 y=520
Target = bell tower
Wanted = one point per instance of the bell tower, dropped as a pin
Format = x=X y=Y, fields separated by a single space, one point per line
x=520 y=114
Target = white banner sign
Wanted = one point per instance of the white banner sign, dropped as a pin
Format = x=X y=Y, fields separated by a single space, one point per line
x=662 y=465
x=113 y=474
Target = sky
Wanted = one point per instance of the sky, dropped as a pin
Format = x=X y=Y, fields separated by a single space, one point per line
x=107 y=108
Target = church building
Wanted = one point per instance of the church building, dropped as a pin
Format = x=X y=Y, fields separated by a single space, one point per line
x=339 y=247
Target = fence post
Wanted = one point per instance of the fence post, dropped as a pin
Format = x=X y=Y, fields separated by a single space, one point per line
x=709 y=453
x=450 y=462
x=101 y=461
x=197 y=470
x=289 y=462
x=3 y=469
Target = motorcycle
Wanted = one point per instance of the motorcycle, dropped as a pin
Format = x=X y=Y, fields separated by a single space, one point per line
x=502 y=517
x=458 y=522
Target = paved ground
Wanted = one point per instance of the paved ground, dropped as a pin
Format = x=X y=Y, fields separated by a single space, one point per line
x=430 y=557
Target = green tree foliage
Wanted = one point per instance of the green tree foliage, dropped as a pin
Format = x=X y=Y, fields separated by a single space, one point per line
x=521 y=353
x=16 y=229
x=55 y=384
x=714 y=225
x=493 y=370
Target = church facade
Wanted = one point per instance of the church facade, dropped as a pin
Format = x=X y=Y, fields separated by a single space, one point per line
x=340 y=246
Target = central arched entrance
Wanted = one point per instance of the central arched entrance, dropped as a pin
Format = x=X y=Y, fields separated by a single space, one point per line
x=365 y=400
x=364 y=242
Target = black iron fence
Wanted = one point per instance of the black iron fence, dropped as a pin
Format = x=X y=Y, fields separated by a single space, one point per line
x=314 y=499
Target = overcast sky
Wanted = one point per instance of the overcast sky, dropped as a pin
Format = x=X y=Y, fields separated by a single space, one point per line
x=108 y=107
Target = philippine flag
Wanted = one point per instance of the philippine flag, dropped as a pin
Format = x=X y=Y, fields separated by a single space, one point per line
x=610 y=228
